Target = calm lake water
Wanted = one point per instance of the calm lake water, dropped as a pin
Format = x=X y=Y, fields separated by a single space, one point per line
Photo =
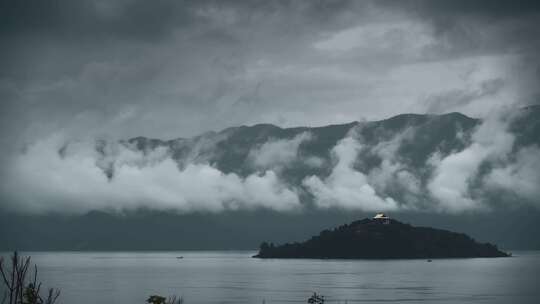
x=234 y=277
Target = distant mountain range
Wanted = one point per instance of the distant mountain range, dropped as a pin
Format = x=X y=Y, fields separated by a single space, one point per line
x=298 y=156
x=410 y=141
x=229 y=149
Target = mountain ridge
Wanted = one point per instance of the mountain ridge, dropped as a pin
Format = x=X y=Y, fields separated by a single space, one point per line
x=409 y=142
x=530 y=108
x=305 y=128
x=229 y=149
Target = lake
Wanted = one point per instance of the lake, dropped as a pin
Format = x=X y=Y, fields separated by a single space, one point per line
x=234 y=277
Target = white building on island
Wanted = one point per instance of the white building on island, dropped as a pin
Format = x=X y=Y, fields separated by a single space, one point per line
x=383 y=218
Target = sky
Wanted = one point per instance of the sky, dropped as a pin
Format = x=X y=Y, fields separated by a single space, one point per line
x=169 y=69
x=86 y=70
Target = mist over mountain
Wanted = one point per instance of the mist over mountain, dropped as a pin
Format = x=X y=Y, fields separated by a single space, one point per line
x=442 y=163
x=281 y=184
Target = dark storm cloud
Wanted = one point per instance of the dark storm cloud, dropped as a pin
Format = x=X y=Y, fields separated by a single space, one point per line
x=479 y=8
x=483 y=26
x=178 y=68
x=101 y=59
x=97 y=19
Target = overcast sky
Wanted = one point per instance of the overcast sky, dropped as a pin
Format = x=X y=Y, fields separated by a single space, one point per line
x=104 y=69
x=171 y=69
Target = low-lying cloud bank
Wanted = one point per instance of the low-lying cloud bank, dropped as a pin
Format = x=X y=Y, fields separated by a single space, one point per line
x=347 y=187
x=59 y=175
x=492 y=165
x=52 y=175
x=278 y=153
x=451 y=184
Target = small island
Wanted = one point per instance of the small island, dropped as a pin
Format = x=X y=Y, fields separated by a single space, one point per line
x=383 y=238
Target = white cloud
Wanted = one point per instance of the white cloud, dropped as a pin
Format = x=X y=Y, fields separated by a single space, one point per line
x=278 y=153
x=392 y=174
x=42 y=180
x=521 y=177
x=454 y=173
x=345 y=187
x=314 y=161
x=402 y=37
x=78 y=176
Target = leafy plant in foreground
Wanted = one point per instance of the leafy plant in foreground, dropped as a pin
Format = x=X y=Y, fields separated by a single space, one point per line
x=19 y=288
